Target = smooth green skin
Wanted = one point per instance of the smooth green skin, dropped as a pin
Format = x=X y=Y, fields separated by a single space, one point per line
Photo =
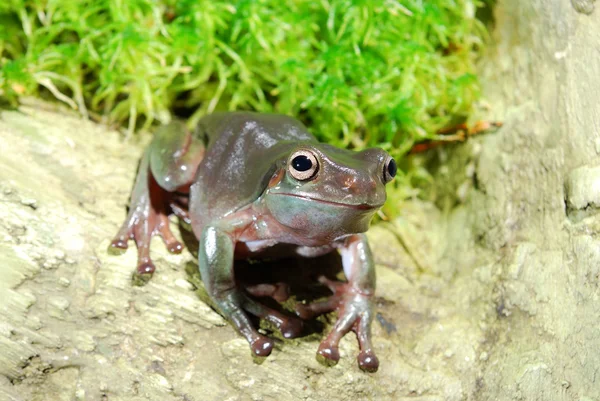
x=244 y=200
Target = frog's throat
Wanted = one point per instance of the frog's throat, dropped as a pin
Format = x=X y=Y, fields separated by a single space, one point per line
x=361 y=206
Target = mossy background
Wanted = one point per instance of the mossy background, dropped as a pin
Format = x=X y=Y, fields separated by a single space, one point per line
x=358 y=73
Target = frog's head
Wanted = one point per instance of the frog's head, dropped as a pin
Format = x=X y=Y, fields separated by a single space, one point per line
x=324 y=192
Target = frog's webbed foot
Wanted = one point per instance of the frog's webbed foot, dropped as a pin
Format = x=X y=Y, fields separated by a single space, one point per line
x=236 y=303
x=354 y=313
x=147 y=217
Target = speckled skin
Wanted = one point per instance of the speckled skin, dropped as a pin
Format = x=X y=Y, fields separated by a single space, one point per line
x=232 y=179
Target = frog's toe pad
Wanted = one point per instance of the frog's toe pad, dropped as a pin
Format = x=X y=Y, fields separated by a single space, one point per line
x=280 y=292
x=146 y=268
x=328 y=355
x=262 y=346
x=303 y=311
x=292 y=328
x=367 y=361
x=117 y=247
x=175 y=247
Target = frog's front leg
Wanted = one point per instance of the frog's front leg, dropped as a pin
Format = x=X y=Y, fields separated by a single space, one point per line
x=353 y=301
x=215 y=259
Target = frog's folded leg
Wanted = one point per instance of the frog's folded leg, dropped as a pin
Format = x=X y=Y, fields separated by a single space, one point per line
x=165 y=172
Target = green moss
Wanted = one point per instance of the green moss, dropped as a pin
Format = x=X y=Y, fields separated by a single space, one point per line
x=357 y=72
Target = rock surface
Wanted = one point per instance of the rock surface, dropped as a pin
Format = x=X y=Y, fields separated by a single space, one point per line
x=490 y=294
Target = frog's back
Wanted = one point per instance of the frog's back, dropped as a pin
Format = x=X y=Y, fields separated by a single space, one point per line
x=243 y=150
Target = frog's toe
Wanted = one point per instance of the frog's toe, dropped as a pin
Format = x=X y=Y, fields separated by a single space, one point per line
x=328 y=355
x=262 y=346
x=175 y=247
x=308 y=311
x=146 y=268
x=164 y=230
x=280 y=292
x=291 y=328
x=333 y=285
x=367 y=361
x=143 y=273
x=181 y=212
x=118 y=246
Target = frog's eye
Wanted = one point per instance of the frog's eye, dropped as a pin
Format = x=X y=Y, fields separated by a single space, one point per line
x=303 y=165
x=389 y=170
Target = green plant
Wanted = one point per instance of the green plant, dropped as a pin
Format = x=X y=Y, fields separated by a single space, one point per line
x=359 y=73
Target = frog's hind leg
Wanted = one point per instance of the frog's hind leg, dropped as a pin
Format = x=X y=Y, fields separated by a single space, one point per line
x=164 y=175
x=148 y=216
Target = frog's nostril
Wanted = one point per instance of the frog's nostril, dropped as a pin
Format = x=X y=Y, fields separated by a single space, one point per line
x=349 y=183
x=354 y=185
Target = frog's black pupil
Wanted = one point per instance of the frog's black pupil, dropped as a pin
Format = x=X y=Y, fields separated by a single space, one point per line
x=392 y=168
x=301 y=163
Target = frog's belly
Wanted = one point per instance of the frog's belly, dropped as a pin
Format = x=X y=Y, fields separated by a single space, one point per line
x=259 y=245
x=268 y=249
x=271 y=249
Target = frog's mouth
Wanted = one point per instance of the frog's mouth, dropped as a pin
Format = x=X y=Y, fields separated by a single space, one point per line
x=360 y=206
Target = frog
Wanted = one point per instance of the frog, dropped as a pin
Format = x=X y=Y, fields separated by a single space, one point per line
x=246 y=183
